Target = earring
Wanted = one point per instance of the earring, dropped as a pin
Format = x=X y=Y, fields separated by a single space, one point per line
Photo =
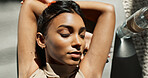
x=42 y=47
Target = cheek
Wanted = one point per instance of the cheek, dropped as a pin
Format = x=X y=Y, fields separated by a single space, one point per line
x=62 y=42
x=57 y=43
x=60 y=45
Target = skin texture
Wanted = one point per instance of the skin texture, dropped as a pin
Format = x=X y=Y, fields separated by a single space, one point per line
x=58 y=46
x=99 y=46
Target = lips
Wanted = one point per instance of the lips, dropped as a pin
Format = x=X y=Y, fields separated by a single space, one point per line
x=75 y=54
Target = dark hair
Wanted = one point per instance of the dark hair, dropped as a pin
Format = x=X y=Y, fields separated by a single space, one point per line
x=54 y=10
x=46 y=17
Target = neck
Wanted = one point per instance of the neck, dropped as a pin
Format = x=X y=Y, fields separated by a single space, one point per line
x=63 y=70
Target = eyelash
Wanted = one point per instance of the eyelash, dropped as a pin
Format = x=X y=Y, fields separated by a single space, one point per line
x=82 y=36
x=65 y=35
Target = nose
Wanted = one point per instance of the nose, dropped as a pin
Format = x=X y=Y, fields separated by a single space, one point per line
x=77 y=42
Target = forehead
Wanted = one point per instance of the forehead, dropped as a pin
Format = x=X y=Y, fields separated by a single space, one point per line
x=71 y=19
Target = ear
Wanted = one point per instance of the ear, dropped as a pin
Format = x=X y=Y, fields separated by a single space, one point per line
x=40 y=40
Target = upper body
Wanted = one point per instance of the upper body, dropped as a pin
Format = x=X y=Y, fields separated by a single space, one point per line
x=64 y=42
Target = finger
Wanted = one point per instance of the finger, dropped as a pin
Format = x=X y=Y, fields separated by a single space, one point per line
x=43 y=1
x=48 y=1
x=22 y=2
x=82 y=57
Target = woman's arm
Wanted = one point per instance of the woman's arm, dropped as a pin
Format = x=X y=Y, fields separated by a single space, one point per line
x=93 y=63
x=27 y=29
x=27 y=33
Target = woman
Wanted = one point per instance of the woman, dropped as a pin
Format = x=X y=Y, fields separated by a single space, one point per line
x=63 y=38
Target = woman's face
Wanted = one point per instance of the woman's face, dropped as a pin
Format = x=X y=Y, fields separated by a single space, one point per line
x=65 y=39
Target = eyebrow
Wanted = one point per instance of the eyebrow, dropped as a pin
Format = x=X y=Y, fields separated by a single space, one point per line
x=66 y=26
x=69 y=27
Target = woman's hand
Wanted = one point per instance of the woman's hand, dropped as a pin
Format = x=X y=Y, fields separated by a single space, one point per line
x=43 y=1
x=88 y=37
x=37 y=6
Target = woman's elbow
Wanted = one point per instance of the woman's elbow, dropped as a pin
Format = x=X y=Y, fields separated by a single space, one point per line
x=110 y=8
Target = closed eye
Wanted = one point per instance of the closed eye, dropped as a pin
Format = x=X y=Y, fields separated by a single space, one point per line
x=65 y=35
x=82 y=32
x=65 y=30
x=82 y=36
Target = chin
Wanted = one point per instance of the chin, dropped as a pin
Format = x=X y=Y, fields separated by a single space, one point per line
x=73 y=62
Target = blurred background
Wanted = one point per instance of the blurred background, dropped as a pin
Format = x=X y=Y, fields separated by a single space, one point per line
x=9 y=14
